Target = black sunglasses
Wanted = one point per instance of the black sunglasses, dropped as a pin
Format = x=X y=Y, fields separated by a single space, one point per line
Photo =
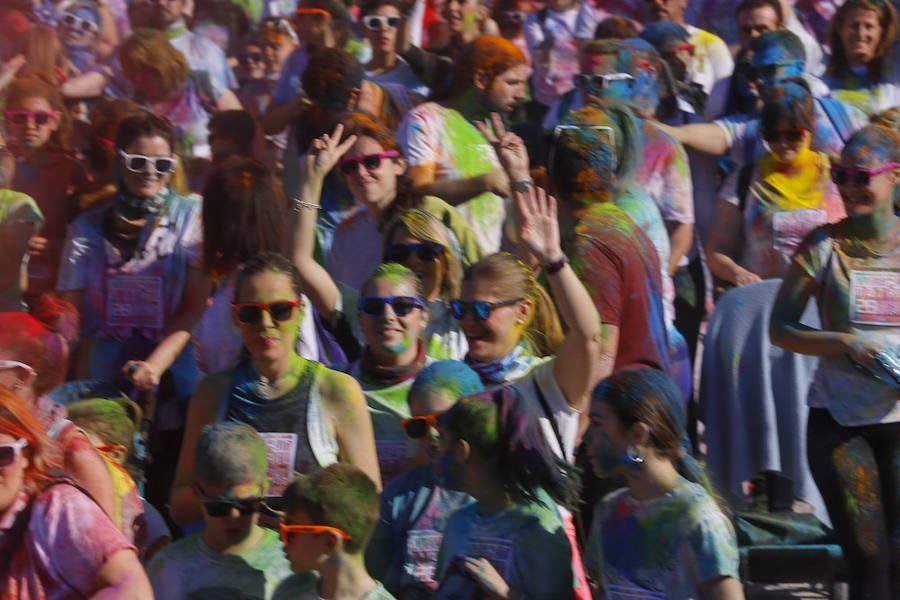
x=789 y=135
x=481 y=310
x=251 y=312
x=402 y=305
x=350 y=164
x=223 y=508
x=424 y=251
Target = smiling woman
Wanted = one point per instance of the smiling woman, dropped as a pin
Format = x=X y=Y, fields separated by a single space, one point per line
x=861 y=71
x=852 y=269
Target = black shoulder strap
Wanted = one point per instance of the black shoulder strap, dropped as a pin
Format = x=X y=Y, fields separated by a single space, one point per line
x=542 y=16
x=546 y=407
x=743 y=184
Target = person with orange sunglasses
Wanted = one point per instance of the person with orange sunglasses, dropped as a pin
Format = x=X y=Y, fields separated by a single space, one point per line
x=415 y=506
x=329 y=518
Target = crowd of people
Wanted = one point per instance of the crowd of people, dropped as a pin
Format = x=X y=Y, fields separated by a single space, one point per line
x=407 y=298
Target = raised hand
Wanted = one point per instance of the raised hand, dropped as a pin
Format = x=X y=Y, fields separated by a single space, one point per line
x=509 y=147
x=324 y=153
x=537 y=224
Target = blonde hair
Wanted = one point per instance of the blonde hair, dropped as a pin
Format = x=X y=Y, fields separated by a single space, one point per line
x=425 y=226
x=151 y=49
x=542 y=331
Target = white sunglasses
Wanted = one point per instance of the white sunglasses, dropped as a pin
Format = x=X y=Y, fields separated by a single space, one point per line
x=9 y=453
x=12 y=364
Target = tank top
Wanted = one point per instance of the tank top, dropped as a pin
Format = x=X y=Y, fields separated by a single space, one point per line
x=297 y=414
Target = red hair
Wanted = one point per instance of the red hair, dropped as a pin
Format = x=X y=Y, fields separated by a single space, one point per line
x=17 y=420
x=41 y=343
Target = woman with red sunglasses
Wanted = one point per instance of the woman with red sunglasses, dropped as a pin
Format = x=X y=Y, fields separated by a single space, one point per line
x=765 y=209
x=852 y=270
x=309 y=415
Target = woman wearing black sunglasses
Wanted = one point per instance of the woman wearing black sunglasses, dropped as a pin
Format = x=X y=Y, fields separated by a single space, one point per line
x=419 y=239
x=319 y=414
x=765 y=209
x=852 y=270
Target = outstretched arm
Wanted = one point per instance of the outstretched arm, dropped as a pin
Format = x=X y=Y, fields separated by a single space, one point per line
x=323 y=154
x=575 y=365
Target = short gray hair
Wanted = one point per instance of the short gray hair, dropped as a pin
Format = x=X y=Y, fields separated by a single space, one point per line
x=230 y=453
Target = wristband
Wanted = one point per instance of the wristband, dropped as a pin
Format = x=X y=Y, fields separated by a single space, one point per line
x=555 y=267
x=522 y=185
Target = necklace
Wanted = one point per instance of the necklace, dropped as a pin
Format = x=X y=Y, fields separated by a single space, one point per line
x=267 y=388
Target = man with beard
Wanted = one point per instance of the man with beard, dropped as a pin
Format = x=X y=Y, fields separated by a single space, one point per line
x=448 y=157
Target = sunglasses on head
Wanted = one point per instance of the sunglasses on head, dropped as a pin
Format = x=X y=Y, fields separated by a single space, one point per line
x=251 y=312
x=137 y=163
x=287 y=530
x=318 y=13
x=601 y=82
x=9 y=453
x=40 y=117
x=418 y=427
x=76 y=22
x=350 y=164
x=402 y=305
x=378 y=22
x=424 y=251
x=247 y=57
x=784 y=135
x=481 y=310
x=861 y=177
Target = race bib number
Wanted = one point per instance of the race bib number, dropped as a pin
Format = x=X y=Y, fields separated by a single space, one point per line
x=497 y=550
x=391 y=459
x=134 y=301
x=281 y=451
x=422 y=552
x=789 y=227
x=875 y=298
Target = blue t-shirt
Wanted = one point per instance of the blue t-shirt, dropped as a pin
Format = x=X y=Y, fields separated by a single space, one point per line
x=661 y=548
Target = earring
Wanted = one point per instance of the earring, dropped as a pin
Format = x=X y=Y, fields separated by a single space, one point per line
x=634 y=456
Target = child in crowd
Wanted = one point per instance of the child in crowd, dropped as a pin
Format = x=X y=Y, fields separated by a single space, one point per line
x=232 y=556
x=329 y=518
x=415 y=506
x=110 y=425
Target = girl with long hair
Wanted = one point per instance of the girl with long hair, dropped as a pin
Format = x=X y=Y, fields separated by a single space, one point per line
x=492 y=448
x=663 y=534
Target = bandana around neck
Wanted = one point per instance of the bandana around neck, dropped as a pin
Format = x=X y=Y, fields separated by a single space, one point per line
x=511 y=367
x=374 y=374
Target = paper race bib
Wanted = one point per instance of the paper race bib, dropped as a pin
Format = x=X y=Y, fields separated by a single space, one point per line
x=134 y=301
x=391 y=459
x=281 y=452
x=875 y=298
x=497 y=550
x=422 y=548
x=789 y=227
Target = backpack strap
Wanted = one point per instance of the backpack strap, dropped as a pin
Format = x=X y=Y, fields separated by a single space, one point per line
x=203 y=85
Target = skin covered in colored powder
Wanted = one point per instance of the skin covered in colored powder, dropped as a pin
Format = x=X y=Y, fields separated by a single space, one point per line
x=862 y=495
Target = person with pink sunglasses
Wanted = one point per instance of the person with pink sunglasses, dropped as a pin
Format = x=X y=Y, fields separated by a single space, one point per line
x=852 y=270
